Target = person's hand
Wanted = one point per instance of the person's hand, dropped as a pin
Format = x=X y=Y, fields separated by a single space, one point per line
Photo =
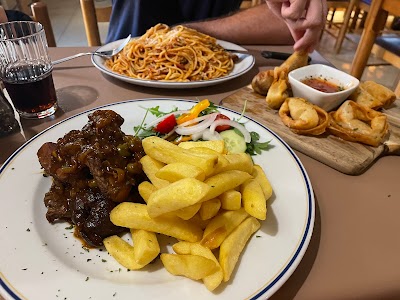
x=305 y=19
x=3 y=16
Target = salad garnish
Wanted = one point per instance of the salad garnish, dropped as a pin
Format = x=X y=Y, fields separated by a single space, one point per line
x=202 y=122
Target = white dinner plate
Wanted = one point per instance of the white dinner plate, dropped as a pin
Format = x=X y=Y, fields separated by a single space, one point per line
x=43 y=261
x=245 y=63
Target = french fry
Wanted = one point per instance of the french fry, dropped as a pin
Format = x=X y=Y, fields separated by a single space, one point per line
x=261 y=177
x=204 y=150
x=236 y=161
x=221 y=226
x=200 y=195
x=176 y=171
x=222 y=162
x=145 y=246
x=253 y=199
x=199 y=222
x=231 y=200
x=145 y=189
x=150 y=168
x=134 y=215
x=217 y=145
x=209 y=208
x=195 y=267
x=188 y=212
x=211 y=281
x=225 y=181
x=233 y=245
x=122 y=252
x=167 y=153
x=177 y=195
x=222 y=165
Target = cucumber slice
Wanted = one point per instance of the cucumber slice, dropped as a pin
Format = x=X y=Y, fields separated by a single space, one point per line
x=234 y=142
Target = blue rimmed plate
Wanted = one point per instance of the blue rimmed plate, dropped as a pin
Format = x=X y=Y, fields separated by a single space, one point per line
x=43 y=261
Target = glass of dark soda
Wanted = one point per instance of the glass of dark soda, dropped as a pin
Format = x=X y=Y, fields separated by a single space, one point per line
x=26 y=69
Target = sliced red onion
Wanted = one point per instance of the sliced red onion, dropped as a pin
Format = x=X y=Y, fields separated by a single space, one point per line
x=169 y=134
x=190 y=130
x=241 y=128
x=196 y=120
x=198 y=135
x=158 y=120
x=207 y=135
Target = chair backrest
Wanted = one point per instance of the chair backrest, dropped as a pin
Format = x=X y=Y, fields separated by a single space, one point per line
x=38 y=11
x=91 y=16
x=40 y=14
x=333 y=7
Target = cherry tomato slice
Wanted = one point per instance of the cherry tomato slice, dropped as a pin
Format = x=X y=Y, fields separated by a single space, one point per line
x=166 y=125
x=222 y=127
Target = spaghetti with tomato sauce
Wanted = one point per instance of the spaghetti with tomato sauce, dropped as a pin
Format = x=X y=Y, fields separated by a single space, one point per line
x=177 y=54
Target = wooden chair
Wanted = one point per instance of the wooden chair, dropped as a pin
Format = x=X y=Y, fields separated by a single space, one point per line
x=350 y=19
x=38 y=11
x=91 y=16
x=333 y=7
x=375 y=23
x=40 y=14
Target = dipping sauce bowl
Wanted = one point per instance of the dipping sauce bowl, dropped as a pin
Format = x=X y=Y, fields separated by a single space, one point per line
x=331 y=87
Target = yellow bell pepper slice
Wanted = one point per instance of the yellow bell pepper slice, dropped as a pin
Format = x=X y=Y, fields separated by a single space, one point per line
x=194 y=112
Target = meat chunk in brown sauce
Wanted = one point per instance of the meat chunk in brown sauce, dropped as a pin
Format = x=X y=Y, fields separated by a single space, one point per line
x=57 y=201
x=93 y=169
x=91 y=215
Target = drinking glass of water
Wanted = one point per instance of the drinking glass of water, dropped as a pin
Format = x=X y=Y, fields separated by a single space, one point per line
x=26 y=69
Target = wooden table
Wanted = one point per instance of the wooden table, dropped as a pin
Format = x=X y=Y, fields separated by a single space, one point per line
x=354 y=250
x=374 y=25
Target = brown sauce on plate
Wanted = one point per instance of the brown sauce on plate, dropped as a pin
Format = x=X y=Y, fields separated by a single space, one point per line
x=322 y=85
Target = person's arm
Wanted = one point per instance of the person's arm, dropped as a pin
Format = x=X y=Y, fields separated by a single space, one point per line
x=256 y=25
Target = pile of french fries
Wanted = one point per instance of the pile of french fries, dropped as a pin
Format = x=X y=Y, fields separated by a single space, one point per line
x=209 y=200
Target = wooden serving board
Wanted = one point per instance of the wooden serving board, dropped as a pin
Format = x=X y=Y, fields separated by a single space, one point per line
x=347 y=157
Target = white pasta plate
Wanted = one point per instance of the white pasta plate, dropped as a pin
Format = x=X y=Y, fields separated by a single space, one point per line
x=244 y=64
x=39 y=260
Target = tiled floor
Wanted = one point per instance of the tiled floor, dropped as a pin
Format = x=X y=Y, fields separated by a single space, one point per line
x=66 y=18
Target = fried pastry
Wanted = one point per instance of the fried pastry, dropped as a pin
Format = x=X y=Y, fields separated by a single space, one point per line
x=278 y=91
x=262 y=82
x=373 y=95
x=303 y=117
x=357 y=123
x=297 y=60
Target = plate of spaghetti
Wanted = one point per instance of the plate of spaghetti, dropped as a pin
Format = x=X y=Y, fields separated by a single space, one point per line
x=174 y=57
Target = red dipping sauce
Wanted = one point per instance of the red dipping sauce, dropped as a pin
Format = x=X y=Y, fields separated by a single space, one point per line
x=322 y=85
